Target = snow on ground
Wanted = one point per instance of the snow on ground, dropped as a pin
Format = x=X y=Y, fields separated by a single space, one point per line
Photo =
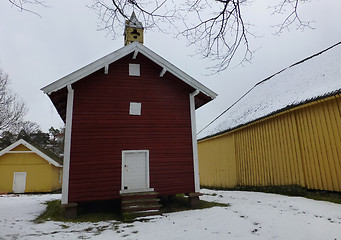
x=250 y=216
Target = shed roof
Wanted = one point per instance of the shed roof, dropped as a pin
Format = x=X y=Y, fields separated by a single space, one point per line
x=137 y=48
x=50 y=159
x=313 y=78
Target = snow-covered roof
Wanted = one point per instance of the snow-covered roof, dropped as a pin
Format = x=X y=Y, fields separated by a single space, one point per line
x=136 y=48
x=32 y=149
x=313 y=78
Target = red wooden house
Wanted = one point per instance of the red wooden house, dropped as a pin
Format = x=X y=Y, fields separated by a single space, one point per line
x=130 y=126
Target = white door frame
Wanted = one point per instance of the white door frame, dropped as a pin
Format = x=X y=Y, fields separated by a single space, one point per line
x=14 y=178
x=148 y=189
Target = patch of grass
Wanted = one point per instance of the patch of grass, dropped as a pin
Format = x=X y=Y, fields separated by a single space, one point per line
x=325 y=196
x=289 y=190
x=89 y=212
x=110 y=210
x=52 y=211
x=65 y=226
x=180 y=203
x=129 y=226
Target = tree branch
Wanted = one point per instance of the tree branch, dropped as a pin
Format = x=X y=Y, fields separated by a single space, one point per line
x=292 y=17
x=216 y=27
x=21 y=5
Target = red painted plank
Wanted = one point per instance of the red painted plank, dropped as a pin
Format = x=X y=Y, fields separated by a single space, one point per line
x=102 y=128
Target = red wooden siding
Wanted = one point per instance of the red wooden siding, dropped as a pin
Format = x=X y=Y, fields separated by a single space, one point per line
x=102 y=128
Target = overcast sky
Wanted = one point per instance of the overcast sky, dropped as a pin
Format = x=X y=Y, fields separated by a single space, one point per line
x=36 y=51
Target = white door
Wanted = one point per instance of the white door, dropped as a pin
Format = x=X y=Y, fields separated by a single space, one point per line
x=135 y=170
x=19 y=182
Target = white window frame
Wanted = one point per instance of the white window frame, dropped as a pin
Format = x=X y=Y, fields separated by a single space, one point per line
x=134 y=69
x=135 y=108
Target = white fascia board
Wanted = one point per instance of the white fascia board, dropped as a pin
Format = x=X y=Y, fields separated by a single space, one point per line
x=122 y=52
x=10 y=147
x=32 y=148
x=88 y=69
x=175 y=71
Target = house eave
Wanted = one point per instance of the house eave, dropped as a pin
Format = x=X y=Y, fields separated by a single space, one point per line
x=122 y=52
x=291 y=107
x=33 y=150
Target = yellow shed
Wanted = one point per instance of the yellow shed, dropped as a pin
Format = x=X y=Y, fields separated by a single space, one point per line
x=285 y=131
x=26 y=169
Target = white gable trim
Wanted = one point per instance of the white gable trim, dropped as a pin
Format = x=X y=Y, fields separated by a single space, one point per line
x=135 y=47
x=33 y=150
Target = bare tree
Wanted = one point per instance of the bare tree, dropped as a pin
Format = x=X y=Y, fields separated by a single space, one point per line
x=216 y=27
x=289 y=9
x=25 y=5
x=28 y=127
x=11 y=109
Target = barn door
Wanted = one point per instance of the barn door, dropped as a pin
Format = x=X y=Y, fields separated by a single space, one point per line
x=19 y=182
x=135 y=171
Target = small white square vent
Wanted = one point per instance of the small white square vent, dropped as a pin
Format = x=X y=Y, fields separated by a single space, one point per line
x=134 y=69
x=135 y=108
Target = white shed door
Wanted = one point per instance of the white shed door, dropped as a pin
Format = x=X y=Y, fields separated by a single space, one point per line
x=19 y=182
x=135 y=170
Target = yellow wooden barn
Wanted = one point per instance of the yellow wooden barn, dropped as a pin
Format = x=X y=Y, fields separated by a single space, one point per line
x=25 y=168
x=285 y=131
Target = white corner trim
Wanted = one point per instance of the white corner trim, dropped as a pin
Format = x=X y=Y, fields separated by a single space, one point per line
x=194 y=141
x=67 y=145
x=164 y=70
x=106 y=69
x=135 y=54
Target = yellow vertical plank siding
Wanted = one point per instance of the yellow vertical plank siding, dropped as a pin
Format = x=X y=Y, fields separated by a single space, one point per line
x=41 y=176
x=301 y=146
x=218 y=173
x=267 y=158
x=21 y=148
x=321 y=142
x=335 y=124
